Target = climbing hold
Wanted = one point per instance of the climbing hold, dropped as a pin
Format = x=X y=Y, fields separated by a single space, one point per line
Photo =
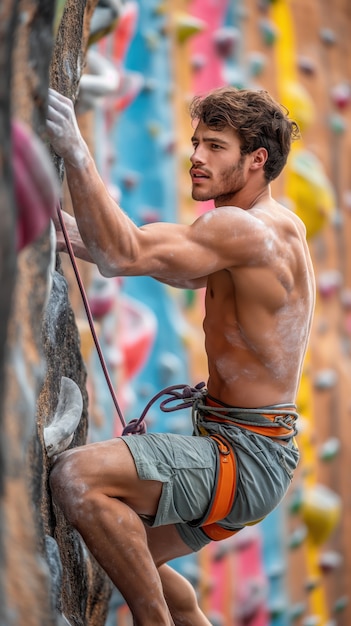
x=125 y=29
x=130 y=180
x=277 y=608
x=101 y=79
x=198 y=61
x=310 y=190
x=59 y=9
x=225 y=41
x=103 y=20
x=153 y=128
x=190 y=298
x=150 y=84
x=251 y=595
x=297 y=537
x=268 y=30
x=152 y=40
x=325 y=379
x=234 y=76
x=341 y=95
x=36 y=184
x=341 y=604
x=276 y=569
x=299 y=103
x=295 y=501
x=320 y=512
x=257 y=62
x=130 y=86
x=149 y=215
x=187 y=25
x=138 y=326
x=329 y=561
x=59 y=433
x=337 y=124
x=170 y=366
x=297 y=610
x=328 y=36
x=312 y=583
x=102 y=296
x=330 y=449
x=306 y=65
x=329 y=283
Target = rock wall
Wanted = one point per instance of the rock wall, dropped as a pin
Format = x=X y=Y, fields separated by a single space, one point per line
x=47 y=576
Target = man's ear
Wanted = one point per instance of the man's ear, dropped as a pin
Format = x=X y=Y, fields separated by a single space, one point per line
x=258 y=158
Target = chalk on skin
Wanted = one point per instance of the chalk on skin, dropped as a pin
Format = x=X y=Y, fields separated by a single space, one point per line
x=59 y=433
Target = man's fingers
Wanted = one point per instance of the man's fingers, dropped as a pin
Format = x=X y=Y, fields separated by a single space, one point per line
x=58 y=96
x=53 y=114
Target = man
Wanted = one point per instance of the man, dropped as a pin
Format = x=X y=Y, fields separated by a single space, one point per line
x=140 y=501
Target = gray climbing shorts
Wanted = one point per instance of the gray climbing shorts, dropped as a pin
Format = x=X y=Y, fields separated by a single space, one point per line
x=186 y=465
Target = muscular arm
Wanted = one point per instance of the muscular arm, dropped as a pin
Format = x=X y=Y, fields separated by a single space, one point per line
x=81 y=252
x=177 y=254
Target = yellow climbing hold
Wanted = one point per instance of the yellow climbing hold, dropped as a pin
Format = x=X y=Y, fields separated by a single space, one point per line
x=310 y=190
x=187 y=25
x=299 y=103
x=320 y=511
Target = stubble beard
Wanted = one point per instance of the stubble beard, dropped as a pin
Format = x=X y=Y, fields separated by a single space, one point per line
x=231 y=182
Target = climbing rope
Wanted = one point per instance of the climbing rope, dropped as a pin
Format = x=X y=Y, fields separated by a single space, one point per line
x=89 y=314
x=184 y=394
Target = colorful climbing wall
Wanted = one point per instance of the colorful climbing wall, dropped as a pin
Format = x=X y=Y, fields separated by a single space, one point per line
x=295 y=567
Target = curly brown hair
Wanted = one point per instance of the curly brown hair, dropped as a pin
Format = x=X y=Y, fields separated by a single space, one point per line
x=258 y=120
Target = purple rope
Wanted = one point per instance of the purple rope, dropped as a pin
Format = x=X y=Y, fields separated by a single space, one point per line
x=184 y=394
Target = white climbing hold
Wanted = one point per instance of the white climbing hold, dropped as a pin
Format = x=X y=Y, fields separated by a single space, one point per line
x=59 y=434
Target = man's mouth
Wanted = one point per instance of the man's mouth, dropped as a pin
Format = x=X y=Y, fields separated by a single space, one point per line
x=198 y=175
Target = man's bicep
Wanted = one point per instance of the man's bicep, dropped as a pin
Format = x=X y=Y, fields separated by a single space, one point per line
x=177 y=255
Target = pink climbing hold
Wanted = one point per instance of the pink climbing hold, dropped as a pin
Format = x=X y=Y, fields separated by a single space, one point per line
x=226 y=40
x=36 y=184
x=341 y=95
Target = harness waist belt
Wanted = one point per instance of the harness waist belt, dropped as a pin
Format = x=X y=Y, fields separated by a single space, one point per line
x=277 y=421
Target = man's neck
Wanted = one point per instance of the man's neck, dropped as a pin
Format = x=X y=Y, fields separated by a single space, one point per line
x=244 y=199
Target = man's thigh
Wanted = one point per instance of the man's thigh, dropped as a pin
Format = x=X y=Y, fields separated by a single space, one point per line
x=108 y=467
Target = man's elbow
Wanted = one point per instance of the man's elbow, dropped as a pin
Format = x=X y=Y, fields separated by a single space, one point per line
x=110 y=269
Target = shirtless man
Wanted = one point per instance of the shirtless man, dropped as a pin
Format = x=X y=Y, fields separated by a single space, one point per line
x=140 y=501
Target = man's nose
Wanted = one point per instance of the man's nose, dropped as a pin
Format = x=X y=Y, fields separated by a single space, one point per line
x=197 y=156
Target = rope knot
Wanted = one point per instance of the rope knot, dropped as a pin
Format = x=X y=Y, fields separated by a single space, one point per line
x=135 y=427
x=186 y=394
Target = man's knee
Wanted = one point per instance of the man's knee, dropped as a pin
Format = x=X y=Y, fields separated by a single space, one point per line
x=68 y=484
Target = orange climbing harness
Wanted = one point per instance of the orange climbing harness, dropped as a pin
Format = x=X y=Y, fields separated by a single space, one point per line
x=278 y=421
x=224 y=492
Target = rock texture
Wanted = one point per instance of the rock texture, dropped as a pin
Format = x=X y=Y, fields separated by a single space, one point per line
x=46 y=575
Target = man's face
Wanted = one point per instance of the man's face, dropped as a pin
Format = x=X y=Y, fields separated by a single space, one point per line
x=218 y=169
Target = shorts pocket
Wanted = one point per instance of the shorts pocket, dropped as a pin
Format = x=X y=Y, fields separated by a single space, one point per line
x=262 y=448
x=288 y=459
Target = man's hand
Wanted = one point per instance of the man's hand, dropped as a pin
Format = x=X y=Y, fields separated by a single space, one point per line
x=78 y=246
x=63 y=130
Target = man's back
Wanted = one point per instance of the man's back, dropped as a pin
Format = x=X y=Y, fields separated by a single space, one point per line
x=258 y=316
